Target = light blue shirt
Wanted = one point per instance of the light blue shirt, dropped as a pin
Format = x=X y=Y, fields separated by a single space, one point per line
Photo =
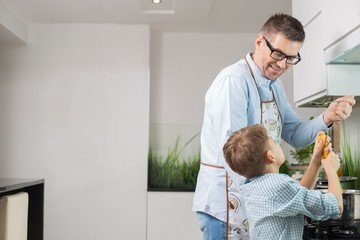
x=275 y=206
x=232 y=102
x=245 y=103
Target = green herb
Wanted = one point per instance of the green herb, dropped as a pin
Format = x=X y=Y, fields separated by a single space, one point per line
x=350 y=159
x=284 y=168
x=303 y=155
x=174 y=173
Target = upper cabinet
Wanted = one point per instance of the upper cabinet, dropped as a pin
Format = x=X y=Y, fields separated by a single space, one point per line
x=12 y=28
x=342 y=17
x=311 y=66
x=326 y=23
x=306 y=10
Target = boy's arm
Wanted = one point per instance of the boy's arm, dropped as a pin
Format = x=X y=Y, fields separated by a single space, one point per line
x=331 y=164
x=312 y=172
x=310 y=177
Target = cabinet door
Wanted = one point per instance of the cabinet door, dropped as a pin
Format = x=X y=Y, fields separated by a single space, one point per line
x=309 y=74
x=341 y=18
x=306 y=10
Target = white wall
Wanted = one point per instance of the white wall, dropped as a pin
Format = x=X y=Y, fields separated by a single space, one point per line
x=183 y=65
x=74 y=109
x=12 y=28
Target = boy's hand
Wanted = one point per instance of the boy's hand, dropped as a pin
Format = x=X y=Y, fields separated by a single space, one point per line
x=319 y=150
x=312 y=172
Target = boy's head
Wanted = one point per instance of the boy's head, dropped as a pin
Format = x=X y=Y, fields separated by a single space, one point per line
x=250 y=152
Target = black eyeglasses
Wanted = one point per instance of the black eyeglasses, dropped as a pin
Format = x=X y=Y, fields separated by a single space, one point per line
x=279 y=56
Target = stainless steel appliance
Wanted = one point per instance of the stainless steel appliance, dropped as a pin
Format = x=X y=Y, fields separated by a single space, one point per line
x=331 y=230
x=346 y=227
x=346 y=182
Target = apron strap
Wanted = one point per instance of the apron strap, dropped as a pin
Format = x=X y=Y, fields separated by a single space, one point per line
x=227 y=206
x=211 y=165
x=227 y=196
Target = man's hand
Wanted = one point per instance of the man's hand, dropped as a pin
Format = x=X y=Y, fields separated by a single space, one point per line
x=338 y=110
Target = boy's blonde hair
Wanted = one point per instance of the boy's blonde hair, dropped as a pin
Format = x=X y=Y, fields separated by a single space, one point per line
x=245 y=150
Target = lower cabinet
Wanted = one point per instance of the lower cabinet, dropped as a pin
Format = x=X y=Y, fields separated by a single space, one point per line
x=169 y=216
x=35 y=212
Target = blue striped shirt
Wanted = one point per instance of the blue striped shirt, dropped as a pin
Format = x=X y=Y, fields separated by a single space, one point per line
x=275 y=206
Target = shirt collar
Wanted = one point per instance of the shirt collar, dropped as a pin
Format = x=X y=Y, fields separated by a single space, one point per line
x=260 y=80
x=248 y=180
x=251 y=179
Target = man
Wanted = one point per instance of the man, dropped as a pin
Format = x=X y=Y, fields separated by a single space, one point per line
x=247 y=93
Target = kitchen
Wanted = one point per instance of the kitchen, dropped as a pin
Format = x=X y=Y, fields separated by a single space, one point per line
x=64 y=118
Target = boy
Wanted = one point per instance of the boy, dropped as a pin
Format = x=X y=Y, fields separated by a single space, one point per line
x=274 y=203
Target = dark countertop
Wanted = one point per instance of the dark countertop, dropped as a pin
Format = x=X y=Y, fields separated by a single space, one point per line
x=9 y=184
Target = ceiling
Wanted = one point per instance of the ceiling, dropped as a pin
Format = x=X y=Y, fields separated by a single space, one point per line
x=169 y=15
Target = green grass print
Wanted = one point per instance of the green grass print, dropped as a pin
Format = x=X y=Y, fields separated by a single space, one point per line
x=350 y=159
x=174 y=173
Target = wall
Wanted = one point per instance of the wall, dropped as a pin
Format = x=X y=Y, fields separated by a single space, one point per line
x=350 y=130
x=12 y=28
x=74 y=109
x=183 y=65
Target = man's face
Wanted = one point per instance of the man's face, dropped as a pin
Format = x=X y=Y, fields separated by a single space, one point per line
x=270 y=67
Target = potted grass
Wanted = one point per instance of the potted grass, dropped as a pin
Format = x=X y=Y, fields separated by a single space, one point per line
x=175 y=172
x=303 y=155
x=350 y=159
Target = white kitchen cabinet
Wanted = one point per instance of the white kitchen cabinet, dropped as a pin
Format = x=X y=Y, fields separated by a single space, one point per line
x=306 y=10
x=326 y=22
x=310 y=70
x=342 y=17
x=169 y=216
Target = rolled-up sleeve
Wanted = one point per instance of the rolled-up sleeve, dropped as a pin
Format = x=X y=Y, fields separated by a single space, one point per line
x=312 y=203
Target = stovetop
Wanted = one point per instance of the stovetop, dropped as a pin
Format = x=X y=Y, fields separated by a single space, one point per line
x=331 y=230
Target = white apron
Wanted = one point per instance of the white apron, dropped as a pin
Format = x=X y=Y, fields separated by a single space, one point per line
x=236 y=221
x=237 y=224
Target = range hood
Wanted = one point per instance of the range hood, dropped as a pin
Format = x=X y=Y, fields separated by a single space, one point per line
x=345 y=50
x=342 y=59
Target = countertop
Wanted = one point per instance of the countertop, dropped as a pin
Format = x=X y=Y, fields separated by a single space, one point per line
x=9 y=184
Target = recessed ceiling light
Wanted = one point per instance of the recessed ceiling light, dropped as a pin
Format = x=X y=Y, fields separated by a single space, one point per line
x=156 y=1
